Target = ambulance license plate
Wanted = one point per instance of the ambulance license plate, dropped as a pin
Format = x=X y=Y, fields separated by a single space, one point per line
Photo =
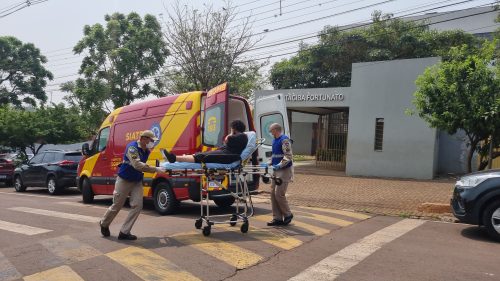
x=213 y=184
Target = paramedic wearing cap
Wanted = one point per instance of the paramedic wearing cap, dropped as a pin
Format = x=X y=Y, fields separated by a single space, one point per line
x=129 y=182
x=281 y=161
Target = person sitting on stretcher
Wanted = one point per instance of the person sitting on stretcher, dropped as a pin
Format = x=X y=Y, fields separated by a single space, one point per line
x=230 y=152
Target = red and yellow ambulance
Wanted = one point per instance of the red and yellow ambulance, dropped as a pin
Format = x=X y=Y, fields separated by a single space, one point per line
x=184 y=124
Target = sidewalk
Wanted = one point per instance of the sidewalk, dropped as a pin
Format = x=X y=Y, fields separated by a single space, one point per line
x=318 y=187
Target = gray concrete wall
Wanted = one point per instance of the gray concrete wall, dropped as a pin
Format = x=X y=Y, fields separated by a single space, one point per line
x=385 y=90
x=302 y=137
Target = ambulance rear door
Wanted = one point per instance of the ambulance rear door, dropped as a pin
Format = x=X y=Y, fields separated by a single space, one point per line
x=268 y=110
x=215 y=123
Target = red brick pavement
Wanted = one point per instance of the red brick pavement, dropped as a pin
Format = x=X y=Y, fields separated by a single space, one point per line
x=332 y=189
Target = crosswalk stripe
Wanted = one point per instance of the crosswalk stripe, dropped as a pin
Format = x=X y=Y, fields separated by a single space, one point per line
x=149 y=266
x=7 y=271
x=56 y=214
x=327 y=219
x=333 y=266
x=61 y=273
x=78 y=204
x=279 y=240
x=316 y=230
x=69 y=249
x=33 y=195
x=340 y=212
x=23 y=229
x=231 y=254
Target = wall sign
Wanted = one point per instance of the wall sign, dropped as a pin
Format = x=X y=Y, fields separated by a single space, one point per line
x=314 y=97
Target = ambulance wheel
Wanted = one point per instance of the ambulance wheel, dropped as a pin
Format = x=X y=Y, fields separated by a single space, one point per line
x=87 y=193
x=244 y=227
x=206 y=230
x=198 y=223
x=224 y=202
x=232 y=220
x=164 y=199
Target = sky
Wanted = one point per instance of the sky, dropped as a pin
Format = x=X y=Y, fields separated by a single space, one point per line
x=55 y=26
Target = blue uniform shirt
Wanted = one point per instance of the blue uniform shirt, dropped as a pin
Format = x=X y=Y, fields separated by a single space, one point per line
x=126 y=170
x=278 y=152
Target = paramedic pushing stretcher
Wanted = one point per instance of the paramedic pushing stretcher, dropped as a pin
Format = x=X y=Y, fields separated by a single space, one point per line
x=129 y=181
x=282 y=164
x=230 y=152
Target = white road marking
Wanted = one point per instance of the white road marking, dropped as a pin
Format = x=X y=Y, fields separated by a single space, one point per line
x=57 y=214
x=21 y=228
x=33 y=195
x=333 y=266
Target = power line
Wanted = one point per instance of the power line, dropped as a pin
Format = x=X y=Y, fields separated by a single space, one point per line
x=19 y=7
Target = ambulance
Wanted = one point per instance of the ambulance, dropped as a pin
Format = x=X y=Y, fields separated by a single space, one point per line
x=184 y=124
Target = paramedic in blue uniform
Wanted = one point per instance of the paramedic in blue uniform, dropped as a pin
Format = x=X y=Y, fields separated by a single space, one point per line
x=129 y=182
x=281 y=161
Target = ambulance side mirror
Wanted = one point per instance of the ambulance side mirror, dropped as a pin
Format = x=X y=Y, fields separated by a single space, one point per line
x=86 y=149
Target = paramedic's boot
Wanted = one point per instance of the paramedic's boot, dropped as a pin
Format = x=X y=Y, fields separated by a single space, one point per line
x=123 y=236
x=275 y=222
x=287 y=219
x=104 y=230
x=169 y=156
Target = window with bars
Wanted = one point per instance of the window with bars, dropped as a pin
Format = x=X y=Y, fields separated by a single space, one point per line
x=379 y=133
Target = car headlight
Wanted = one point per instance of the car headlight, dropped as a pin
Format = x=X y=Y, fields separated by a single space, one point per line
x=474 y=180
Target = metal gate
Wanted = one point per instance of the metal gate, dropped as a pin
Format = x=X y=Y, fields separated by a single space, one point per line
x=332 y=140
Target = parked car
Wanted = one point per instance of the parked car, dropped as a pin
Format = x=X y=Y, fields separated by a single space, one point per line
x=476 y=200
x=7 y=166
x=54 y=169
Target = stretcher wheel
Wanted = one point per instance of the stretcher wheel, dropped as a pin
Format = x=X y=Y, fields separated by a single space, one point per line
x=232 y=220
x=266 y=179
x=278 y=181
x=206 y=230
x=198 y=223
x=244 y=227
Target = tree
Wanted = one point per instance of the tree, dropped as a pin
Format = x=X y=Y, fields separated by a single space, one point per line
x=89 y=97
x=22 y=75
x=21 y=129
x=328 y=63
x=462 y=93
x=121 y=56
x=207 y=49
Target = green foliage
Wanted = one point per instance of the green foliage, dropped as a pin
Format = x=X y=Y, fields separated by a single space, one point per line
x=21 y=129
x=462 y=93
x=329 y=63
x=22 y=75
x=121 y=55
x=207 y=49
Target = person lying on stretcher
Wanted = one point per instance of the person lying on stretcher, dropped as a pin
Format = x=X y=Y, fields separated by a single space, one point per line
x=230 y=152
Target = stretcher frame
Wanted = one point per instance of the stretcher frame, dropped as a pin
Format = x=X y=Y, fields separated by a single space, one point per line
x=244 y=206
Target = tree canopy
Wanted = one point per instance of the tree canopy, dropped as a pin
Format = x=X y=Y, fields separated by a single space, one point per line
x=328 y=63
x=123 y=56
x=22 y=74
x=463 y=93
x=207 y=49
x=21 y=129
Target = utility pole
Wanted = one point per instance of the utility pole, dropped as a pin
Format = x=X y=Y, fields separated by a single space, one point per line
x=490 y=160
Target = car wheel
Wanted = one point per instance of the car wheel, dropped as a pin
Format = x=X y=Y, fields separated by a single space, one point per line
x=491 y=219
x=164 y=199
x=87 y=193
x=18 y=184
x=52 y=186
x=224 y=202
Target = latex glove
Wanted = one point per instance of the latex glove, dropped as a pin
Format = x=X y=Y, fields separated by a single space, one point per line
x=276 y=167
x=160 y=170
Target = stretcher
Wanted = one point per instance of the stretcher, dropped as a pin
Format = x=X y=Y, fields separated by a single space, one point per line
x=217 y=176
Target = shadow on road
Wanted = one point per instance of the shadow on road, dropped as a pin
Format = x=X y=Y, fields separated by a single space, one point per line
x=477 y=233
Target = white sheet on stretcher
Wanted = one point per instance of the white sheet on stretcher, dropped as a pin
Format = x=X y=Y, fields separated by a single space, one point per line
x=245 y=154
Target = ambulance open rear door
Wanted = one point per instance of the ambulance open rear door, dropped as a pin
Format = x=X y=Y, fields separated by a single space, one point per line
x=268 y=110
x=215 y=123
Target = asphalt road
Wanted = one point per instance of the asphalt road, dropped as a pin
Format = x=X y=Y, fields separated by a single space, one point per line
x=45 y=237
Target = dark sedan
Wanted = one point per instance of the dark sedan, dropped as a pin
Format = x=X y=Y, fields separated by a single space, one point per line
x=476 y=200
x=54 y=169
